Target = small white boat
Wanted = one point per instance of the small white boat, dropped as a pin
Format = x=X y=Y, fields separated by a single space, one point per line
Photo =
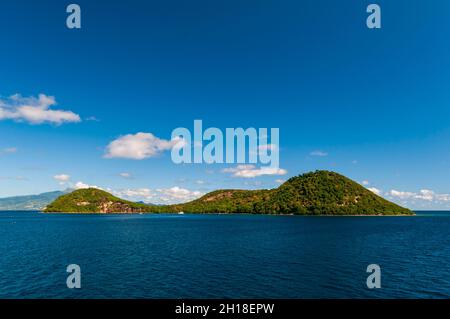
x=181 y=213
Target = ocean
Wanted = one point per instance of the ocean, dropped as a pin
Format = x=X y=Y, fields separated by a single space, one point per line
x=223 y=256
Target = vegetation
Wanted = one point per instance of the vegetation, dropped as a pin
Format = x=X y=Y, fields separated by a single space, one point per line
x=93 y=200
x=315 y=193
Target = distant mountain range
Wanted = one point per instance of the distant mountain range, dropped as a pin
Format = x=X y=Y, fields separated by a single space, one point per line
x=315 y=193
x=30 y=202
x=36 y=202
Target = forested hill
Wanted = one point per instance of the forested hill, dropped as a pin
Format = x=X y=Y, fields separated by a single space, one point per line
x=315 y=193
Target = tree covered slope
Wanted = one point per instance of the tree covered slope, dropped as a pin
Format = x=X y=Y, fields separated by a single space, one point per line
x=315 y=193
x=93 y=200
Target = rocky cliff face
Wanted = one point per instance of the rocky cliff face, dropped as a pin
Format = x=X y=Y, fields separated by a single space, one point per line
x=115 y=207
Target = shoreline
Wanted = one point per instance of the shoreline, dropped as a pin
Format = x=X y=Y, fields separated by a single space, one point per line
x=227 y=214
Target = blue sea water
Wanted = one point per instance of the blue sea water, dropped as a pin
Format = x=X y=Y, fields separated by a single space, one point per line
x=223 y=256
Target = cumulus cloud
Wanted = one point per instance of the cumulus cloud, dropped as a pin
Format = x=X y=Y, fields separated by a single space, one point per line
x=62 y=178
x=177 y=194
x=251 y=171
x=171 y=195
x=138 y=146
x=34 y=110
x=81 y=185
x=423 y=194
x=139 y=194
x=318 y=153
x=442 y=197
x=375 y=190
x=401 y=194
x=365 y=182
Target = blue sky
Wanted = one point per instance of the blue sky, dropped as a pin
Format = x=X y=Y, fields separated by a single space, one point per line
x=375 y=103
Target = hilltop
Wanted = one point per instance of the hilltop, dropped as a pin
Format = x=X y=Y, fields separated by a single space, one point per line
x=93 y=200
x=315 y=193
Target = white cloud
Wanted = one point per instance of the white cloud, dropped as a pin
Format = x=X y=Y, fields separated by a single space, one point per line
x=81 y=185
x=401 y=194
x=138 y=146
x=423 y=194
x=426 y=194
x=34 y=110
x=318 y=153
x=374 y=190
x=442 y=197
x=178 y=143
x=172 y=195
x=92 y=119
x=125 y=175
x=135 y=194
x=365 y=182
x=280 y=181
x=62 y=178
x=251 y=171
x=177 y=194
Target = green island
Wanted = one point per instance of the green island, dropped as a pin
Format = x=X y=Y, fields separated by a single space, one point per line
x=314 y=193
